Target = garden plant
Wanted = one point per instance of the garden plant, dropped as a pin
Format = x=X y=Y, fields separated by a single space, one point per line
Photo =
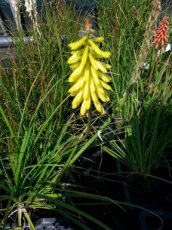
x=74 y=87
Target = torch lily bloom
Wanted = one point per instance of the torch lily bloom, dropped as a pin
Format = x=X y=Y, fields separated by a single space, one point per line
x=161 y=36
x=89 y=78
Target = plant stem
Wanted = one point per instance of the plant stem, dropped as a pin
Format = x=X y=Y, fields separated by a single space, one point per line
x=91 y=140
x=87 y=131
x=28 y=219
x=19 y=216
x=153 y=67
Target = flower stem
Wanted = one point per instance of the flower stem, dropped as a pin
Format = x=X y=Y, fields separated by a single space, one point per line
x=87 y=131
x=82 y=137
x=153 y=67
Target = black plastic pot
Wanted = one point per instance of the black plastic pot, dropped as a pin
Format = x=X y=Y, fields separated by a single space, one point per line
x=44 y=224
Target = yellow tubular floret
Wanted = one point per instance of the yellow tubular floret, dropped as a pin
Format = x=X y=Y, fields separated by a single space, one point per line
x=84 y=57
x=101 y=90
x=77 y=100
x=98 y=39
x=101 y=96
x=73 y=94
x=101 y=66
x=93 y=61
x=104 y=77
x=79 y=84
x=76 y=45
x=73 y=59
x=86 y=93
x=98 y=51
x=75 y=75
x=92 y=85
x=87 y=72
x=95 y=76
x=95 y=47
x=99 y=107
x=94 y=97
x=102 y=111
x=107 y=66
x=78 y=52
x=83 y=108
x=106 y=86
x=88 y=103
x=74 y=66
x=107 y=98
x=79 y=70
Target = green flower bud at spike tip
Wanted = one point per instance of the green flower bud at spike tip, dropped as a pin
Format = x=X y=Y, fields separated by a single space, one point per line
x=89 y=78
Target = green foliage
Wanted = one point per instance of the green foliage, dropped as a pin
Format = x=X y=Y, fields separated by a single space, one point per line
x=36 y=124
x=38 y=127
x=144 y=116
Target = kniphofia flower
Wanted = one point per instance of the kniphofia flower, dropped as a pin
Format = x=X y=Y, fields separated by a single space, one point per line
x=89 y=78
x=161 y=36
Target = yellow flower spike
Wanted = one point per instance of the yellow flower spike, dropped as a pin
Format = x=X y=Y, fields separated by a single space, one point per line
x=89 y=79
x=88 y=87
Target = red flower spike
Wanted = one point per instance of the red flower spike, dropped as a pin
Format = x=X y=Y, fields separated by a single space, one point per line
x=161 y=35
